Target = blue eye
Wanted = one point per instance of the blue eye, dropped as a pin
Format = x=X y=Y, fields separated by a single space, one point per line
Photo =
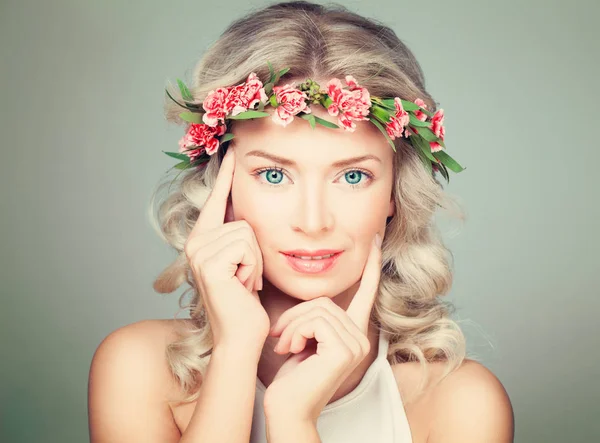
x=273 y=176
x=353 y=177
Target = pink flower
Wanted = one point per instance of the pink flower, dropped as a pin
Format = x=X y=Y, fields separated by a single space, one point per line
x=435 y=146
x=437 y=126
x=202 y=136
x=290 y=101
x=396 y=127
x=418 y=113
x=351 y=104
x=214 y=105
x=245 y=96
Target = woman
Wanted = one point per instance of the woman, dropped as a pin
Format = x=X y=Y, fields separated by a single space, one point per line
x=352 y=345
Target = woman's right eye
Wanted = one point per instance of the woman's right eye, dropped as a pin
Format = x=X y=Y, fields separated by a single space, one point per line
x=273 y=176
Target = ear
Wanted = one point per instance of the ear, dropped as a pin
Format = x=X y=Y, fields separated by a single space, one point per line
x=392 y=207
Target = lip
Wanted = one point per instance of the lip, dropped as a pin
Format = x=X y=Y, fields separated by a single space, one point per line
x=307 y=253
x=312 y=266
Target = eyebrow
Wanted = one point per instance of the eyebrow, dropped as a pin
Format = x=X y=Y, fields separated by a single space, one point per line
x=288 y=162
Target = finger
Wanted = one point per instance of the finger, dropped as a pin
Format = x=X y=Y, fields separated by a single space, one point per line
x=327 y=338
x=290 y=314
x=290 y=341
x=215 y=207
x=304 y=308
x=360 y=307
x=248 y=276
x=241 y=228
x=236 y=257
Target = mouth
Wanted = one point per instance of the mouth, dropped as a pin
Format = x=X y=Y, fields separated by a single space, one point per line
x=311 y=262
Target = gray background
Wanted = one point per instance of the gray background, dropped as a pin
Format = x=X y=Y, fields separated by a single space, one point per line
x=82 y=134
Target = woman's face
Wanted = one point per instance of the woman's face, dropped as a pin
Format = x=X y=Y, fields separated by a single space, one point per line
x=290 y=186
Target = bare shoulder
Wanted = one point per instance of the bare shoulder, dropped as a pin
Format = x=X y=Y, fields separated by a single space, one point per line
x=469 y=404
x=129 y=372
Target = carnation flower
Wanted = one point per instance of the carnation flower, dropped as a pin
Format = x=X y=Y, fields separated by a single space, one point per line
x=290 y=101
x=245 y=96
x=396 y=127
x=418 y=113
x=214 y=105
x=349 y=105
x=202 y=136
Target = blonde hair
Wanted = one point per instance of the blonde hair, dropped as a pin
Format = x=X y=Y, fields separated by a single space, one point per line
x=317 y=41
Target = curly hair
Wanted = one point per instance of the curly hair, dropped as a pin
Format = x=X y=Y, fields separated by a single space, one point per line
x=317 y=41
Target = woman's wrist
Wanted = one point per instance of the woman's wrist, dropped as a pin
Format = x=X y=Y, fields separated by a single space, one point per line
x=290 y=430
x=237 y=353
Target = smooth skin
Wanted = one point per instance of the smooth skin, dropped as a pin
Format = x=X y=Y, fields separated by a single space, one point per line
x=129 y=378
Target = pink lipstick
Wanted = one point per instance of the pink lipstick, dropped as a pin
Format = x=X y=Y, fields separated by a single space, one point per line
x=312 y=262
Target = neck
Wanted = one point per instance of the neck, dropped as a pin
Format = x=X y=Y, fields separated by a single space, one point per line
x=276 y=303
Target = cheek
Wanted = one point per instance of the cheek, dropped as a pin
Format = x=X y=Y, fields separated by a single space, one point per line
x=257 y=208
x=364 y=213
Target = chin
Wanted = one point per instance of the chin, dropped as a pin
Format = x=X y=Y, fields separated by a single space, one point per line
x=306 y=287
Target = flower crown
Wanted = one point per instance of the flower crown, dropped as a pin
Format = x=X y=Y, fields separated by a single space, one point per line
x=394 y=117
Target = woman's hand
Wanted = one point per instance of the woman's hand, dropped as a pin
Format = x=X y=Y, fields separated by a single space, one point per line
x=227 y=265
x=305 y=383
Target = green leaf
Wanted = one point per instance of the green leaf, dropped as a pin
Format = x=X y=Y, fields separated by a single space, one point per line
x=327 y=101
x=177 y=155
x=268 y=87
x=310 y=118
x=421 y=144
x=248 y=114
x=443 y=171
x=381 y=114
x=383 y=103
x=425 y=160
x=383 y=131
x=226 y=137
x=279 y=74
x=325 y=123
x=182 y=165
x=192 y=117
x=448 y=161
x=271 y=72
x=416 y=122
x=428 y=134
x=406 y=105
x=171 y=97
x=185 y=92
x=273 y=101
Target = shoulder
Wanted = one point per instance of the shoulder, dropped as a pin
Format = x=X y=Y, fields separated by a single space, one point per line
x=129 y=372
x=468 y=405
x=135 y=349
x=471 y=405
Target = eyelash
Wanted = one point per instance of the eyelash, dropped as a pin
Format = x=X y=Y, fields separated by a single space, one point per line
x=275 y=168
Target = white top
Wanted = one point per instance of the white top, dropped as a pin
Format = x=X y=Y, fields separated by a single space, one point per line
x=373 y=412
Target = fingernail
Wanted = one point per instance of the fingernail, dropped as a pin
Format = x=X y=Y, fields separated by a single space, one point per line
x=378 y=240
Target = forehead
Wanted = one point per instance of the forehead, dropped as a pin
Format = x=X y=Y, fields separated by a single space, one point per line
x=299 y=140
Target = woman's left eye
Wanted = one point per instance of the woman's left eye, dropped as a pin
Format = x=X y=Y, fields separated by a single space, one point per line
x=353 y=177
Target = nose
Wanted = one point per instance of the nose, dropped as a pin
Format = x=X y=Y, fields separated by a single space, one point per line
x=313 y=213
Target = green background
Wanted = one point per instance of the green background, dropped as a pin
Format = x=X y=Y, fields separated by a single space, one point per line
x=82 y=133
